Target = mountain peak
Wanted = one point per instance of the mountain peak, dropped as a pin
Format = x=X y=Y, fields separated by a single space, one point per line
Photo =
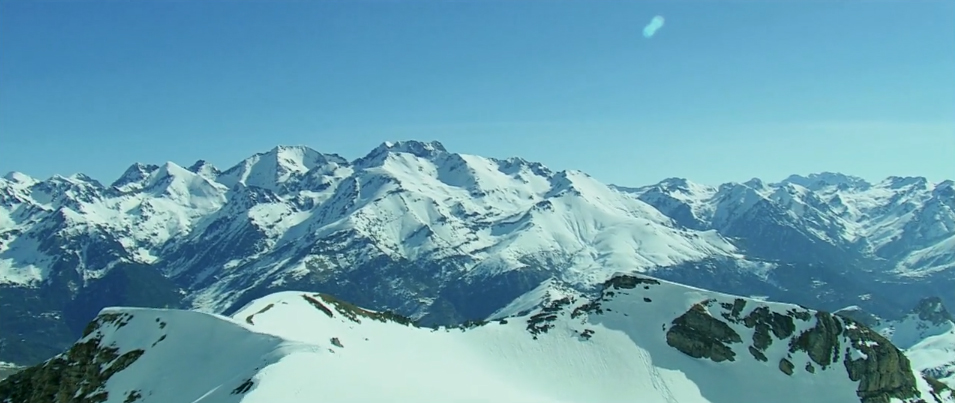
x=275 y=168
x=816 y=181
x=414 y=147
x=20 y=178
x=755 y=183
x=897 y=182
x=674 y=183
x=420 y=149
x=932 y=310
x=135 y=173
x=204 y=168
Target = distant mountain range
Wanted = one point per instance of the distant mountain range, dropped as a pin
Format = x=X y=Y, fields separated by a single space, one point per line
x=444 y=238
x=636 y=339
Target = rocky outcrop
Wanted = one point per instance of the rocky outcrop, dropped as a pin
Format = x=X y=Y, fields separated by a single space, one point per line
x=882 y=371
x=821 y=342
x=76 y=376
x=932 y=310
x=699 y=335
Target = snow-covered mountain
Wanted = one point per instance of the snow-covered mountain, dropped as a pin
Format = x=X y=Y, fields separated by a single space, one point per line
x=926 y=335
x=640 y=338
x=907 y=223
x=443 y=237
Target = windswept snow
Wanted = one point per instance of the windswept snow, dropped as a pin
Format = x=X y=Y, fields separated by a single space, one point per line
x=297 y=347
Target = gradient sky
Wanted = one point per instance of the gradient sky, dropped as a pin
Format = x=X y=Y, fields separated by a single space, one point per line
x=726 y=91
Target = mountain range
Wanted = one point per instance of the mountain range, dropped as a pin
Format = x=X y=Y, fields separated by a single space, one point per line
x=637 y=339
x=444 y=238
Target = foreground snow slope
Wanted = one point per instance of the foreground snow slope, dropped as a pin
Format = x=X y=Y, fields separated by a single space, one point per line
x=641 y=340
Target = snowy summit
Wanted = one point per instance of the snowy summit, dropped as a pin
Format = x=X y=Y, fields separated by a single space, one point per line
x=640 y=340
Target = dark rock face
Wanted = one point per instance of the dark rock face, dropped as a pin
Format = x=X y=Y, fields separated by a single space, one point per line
x=699 y=335
x=75 y=376
x=786 y=366
x=884 y=373
x=933 y=310
x=628 y=282
x=821 y=342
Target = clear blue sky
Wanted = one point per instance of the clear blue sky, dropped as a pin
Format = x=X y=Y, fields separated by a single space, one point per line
x=725 y=91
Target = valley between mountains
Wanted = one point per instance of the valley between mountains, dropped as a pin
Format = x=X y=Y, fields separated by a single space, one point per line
x=446 y=239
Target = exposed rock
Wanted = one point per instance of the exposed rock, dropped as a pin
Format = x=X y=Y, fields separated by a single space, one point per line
x=757 y=354
x=699 y=335
x=932 y=310
x=627 y=281
x=786 y=366
x=243 y=388
x=821 y=342
x=76 y=376
x=734 y=309
x=884 y=372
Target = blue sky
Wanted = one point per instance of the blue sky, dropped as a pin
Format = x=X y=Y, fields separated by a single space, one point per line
x=725 y=91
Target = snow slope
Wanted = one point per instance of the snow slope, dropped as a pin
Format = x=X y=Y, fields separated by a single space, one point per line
x=298 y=347
x=906 y=221
x=446 y=237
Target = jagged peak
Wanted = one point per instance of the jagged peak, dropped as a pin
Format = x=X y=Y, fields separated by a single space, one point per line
x=945 y=189
x=75 y=180
x=898 y=182
x=135 y=173
x=277 y=166
x=675 y=182
x=816 y=181
x=414 y=146
x=755 y=183
x=20 y=178
x=513 y=164
x=420 y=149
x=683 y=185
x=932 y=309
x=563 y=181
x=171 y=169
x=205 y=168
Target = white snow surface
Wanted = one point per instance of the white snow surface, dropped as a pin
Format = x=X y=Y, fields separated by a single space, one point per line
x=906 y=220
x=410 y=200
x=291 y=350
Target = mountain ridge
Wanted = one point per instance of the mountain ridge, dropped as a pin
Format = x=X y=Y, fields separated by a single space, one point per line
x=446 y=237
x=640 y=336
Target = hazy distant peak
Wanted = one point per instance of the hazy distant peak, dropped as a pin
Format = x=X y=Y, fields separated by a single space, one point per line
x=414 y=146
x=932 y=309
x=420 y=149
x=135 y=173
x=755 y=183
x=898 y=182
x=816 y=181
x=19 y=178
x=423 y=149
